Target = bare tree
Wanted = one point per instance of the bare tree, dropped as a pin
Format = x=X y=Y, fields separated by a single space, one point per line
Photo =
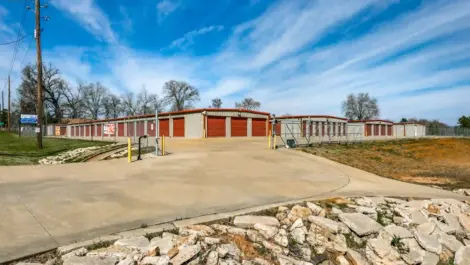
x=129 y=104
x=112 y=106
x=180 y=95
x=93 y=96
x=216 y=103
x=360 y=107
x=147 y=102
x=249 y=104
x=54 y=90
x=73 y=104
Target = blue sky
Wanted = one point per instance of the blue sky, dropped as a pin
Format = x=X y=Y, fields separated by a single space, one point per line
x=294 y=56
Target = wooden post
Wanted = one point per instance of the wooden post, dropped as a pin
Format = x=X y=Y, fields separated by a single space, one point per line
x=39 y=107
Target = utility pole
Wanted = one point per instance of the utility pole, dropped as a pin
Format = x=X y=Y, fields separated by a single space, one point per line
x=9 y=104
x=39 y=107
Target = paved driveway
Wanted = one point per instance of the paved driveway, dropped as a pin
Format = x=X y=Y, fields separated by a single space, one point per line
x=47 y=206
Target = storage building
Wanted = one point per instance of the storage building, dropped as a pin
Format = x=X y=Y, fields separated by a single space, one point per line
x=196 y=123
x=308 y=129
x=370 y=130
x=409 y=130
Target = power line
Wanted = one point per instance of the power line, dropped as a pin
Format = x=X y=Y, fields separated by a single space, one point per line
x=26 y=53
x=20 y=29
x=11 y=42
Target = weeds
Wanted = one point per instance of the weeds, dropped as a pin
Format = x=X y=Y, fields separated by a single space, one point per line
x=98 y=245
x=397 y=242
x=144 y=225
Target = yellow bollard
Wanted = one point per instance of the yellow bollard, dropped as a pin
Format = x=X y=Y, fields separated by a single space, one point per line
x=274 y=144
x=163 y=145
x=269 y=139
x=129 y=150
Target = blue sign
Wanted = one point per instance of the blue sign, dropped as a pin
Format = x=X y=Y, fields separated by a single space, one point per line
x=29 y=119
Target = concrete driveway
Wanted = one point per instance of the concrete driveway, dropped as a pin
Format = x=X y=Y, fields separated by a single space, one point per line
x=46 y=206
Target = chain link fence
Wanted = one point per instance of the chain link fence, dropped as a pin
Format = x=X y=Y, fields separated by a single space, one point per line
x=450 y=131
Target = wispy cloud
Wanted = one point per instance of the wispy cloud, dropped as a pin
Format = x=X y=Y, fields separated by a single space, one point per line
x=126 y=21
x=90 y=16
x=295 y=58
x=188 y=38
x=166 y=7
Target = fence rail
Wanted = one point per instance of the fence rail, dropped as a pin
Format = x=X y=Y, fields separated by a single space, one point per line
x=451 y=131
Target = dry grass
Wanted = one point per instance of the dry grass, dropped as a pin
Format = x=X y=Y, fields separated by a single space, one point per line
x=441 y=162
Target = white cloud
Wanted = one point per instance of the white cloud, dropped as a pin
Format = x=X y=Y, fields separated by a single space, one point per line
x=416 y=64
x=166 y=7
x=90 y=16
x=187 y=39
x=126 y=20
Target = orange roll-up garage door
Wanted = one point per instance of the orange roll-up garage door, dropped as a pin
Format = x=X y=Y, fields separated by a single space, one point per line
x=215 y=126
x=178 y=127
x=258 y=127
x=239 y=127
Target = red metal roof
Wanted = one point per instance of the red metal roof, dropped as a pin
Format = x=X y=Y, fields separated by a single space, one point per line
x=310 y=116
x=366 y=121
x=172 y=113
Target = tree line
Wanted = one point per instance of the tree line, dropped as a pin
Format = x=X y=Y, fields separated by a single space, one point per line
x=93 y=100
x=364 y=107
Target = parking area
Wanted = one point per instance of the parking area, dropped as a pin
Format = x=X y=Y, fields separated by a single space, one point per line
x=44 y=206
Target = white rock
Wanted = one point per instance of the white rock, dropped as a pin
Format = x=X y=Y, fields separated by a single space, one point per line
x=365 y=202
x=212 y=240
x=341 y=260
x=185 y=254
x=398 y=231
x=236 y=231
x=254 y=236
x=281 y=238
x=306 y=253
x=330 y=225
x=462 y=256
x=249 y=221
x=273 y=247
x=28 y=263
x=319 y=236
x=229 y=262
x=426 y=228
x=266 y=230
x=163 y=243
x=222 y=252
x=282 y=209
x=378 y=251
x=356 y=258
x=366 y=210
x=220 y=228
x=129 y=260
x=135 y=243
x=315 y=208
x=232 y=250
x=428 y=242
x=184 y=241
x=212 y=258
x=297 y=224
x=260 y=261
x=450 y=242
x=418 y=217
x=430 y=259
x=285 y=260
x=336 y=211
x=299 y=212
x=452 y=221
x=298 y=235
x=360 y=224
x=465 y=222
x=416 y=254
x=113 y=251
x=88 y=260
x=394 y=201
x=163 y=260
x=199 y=230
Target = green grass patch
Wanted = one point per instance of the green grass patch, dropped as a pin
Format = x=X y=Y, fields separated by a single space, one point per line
x=16 y=150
